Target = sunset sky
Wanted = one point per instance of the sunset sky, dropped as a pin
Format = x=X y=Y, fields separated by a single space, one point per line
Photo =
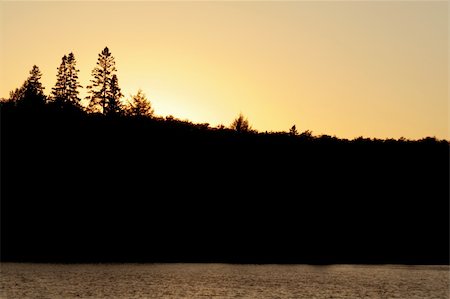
x=373 y=69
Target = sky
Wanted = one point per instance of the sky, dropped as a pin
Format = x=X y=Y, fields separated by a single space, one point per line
x=349 y=69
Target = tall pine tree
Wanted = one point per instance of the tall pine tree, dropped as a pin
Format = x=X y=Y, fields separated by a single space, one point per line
x=65 y=91
x=104 y=91
x=59 y=92
x=113 y=106
x=72 y=80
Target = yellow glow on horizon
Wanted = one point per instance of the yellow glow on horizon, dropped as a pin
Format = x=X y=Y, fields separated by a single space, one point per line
x=374 y=69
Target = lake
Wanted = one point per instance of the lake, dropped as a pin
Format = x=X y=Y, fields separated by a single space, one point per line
x=222 y=281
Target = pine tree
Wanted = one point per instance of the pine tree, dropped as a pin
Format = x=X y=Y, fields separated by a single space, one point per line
x=139 y=105
x=59 y=92
x=33 y=81
x=104 y=90
x=113 y=105
x=241 y=124
x=31 y=94
x=17 y=94
x=72 y=80
x=65 y=91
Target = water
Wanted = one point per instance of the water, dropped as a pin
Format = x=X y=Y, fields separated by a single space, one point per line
x=222 y=281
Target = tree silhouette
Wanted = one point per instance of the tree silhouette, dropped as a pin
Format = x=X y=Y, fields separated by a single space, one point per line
x=293 y=131
x=31 y=93
x=65 y=92
x=241 y=124
x=104 y=90
x=17 y=94
x=34 y=80
x=59 y=92
x=139 y=105
x=72 y=78
x=114 y=106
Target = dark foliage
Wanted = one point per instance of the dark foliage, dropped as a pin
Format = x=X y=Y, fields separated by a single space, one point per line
x=139 y=105
x=78 y=187
x=241 y=124
x=31 y=94
x=65 y=92
x=104 y=91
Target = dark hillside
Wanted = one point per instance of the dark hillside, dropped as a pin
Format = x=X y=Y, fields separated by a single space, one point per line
x=79 y=187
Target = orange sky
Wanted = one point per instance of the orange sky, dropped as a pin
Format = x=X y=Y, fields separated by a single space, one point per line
x=373 y=69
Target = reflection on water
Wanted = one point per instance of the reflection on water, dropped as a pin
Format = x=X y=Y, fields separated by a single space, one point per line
x=222 y=281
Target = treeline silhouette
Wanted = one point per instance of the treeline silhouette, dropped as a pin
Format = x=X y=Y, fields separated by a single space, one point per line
x=111 y=182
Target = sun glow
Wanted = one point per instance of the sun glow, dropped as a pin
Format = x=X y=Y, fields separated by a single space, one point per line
x=376 y=69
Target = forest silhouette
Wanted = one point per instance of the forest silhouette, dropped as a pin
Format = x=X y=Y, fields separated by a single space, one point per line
x=104 y=179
